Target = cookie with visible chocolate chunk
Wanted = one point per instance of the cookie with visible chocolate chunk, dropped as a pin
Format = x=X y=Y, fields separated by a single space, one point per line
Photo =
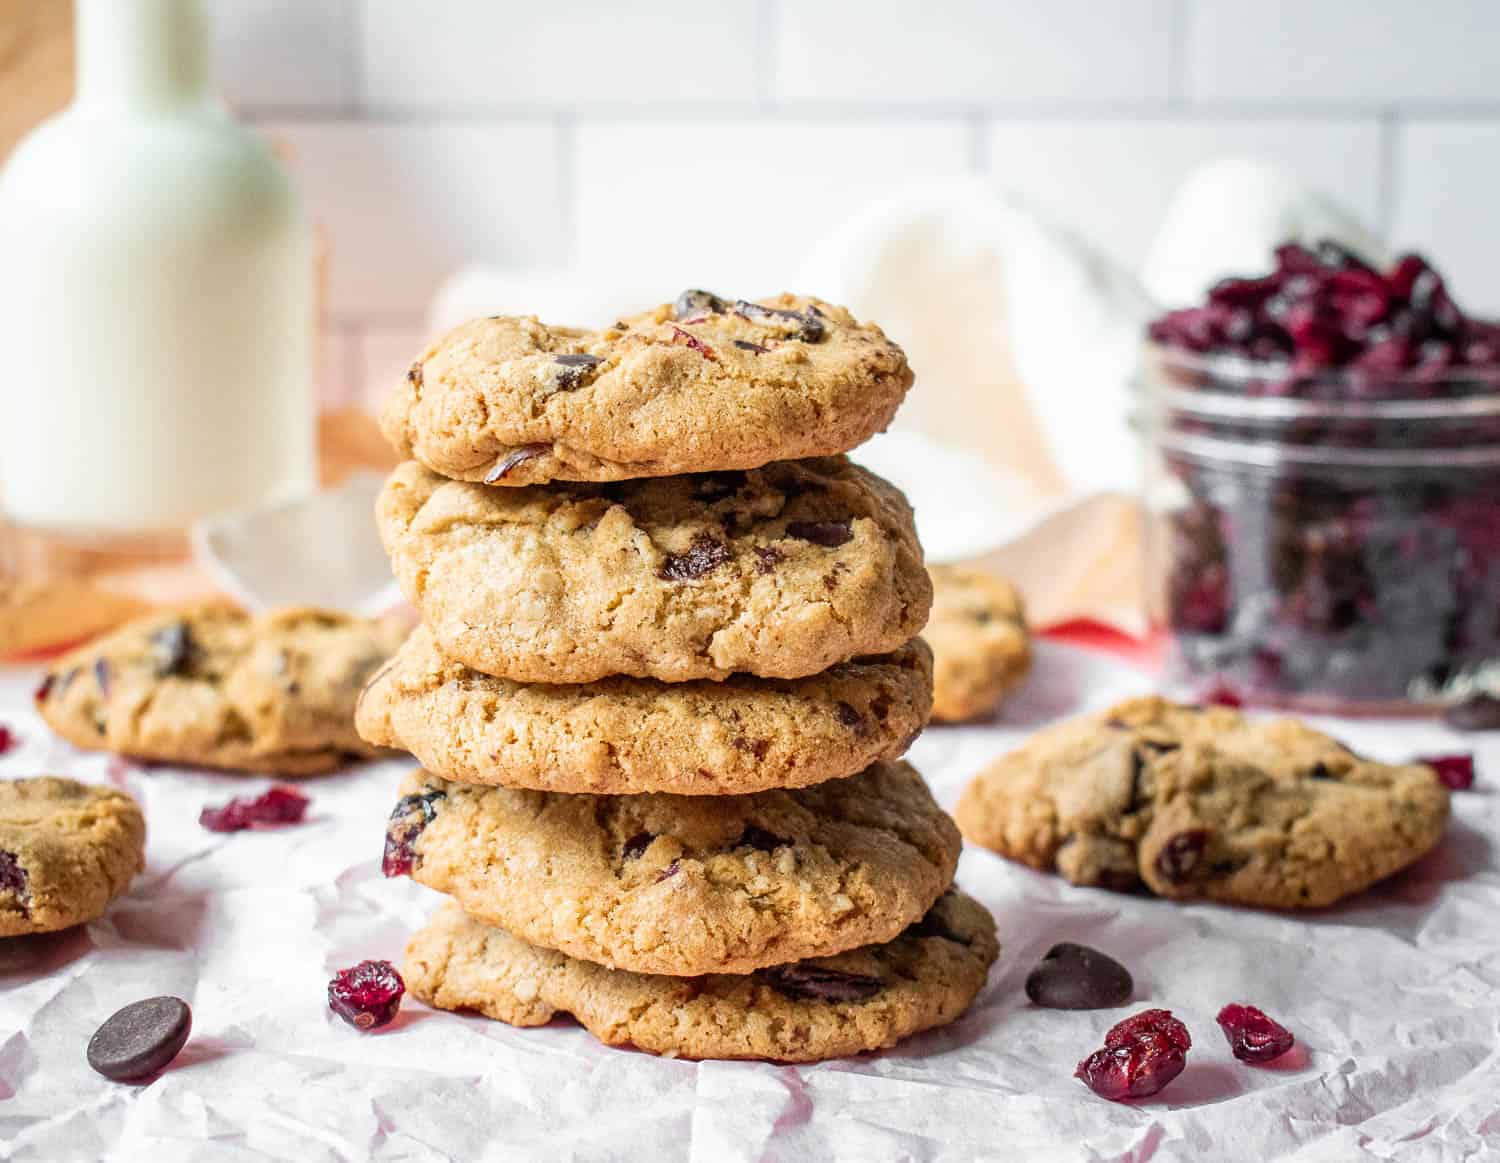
x=67 y=849
x=699 y=385
x=780 y=572
x=980 y=645
x=684 y=885
x=627 y=735
x=808 y=1011
x=213 y=686
x=1204 y=802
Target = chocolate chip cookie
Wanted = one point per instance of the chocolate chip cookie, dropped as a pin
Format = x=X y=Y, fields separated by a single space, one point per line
x=628 y=735
x=212 y=686
x=1205 y=803
x=684 y=885
x=781 y=572
x=807 y=1011
x=696 y=386
x=980 y=645
x=66 y=850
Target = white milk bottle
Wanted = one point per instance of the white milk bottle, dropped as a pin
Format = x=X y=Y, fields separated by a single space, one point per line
x=156 y=298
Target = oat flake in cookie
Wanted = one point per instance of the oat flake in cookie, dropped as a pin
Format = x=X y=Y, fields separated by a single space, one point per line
x=66 y=850
x=212 y=686
x=698 y=385
x=627 y=735
x=1204 y=803
x=779 y=572
x=684 y=885
x=865 y=999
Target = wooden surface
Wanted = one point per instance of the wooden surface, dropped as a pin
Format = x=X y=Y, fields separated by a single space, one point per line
x=36 y=64
x=53 y=601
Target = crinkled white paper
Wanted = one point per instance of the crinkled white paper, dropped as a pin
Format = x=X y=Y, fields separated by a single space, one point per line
x=1395 y=997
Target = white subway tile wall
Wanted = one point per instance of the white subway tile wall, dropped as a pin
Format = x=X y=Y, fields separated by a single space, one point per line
x=714 y=142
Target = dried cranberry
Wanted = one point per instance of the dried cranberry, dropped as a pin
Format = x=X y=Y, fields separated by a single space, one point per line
x=8 y=739
x=1179 y=857
x=409 y=817
x=44 y=688
x=703 y=556
x=368 y=995
x=828 y=534
x=1140 y=1056
x=669 y=871
x=516 y=456
x=1220 y=694
x=692 y=341
x=1252 y=1036
x=803 y=982
x=14 y=878
x=278 y=804
x=1454 y=772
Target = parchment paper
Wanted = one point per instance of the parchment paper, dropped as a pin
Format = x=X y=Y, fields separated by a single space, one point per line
x=1393 y=996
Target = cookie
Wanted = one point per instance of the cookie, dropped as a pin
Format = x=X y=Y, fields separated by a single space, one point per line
x=684 y=885
x=980 y=646
x=1204 y=803
x=866 y=999
x=66 y=850
x=211 y=686
x=779 y=572
x=626 y=735
x=696 y=386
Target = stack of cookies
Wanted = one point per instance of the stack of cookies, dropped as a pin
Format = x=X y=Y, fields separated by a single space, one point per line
x=667 y=668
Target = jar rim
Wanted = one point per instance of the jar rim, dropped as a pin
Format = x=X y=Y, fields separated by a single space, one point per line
x=1268 y=455
x=1419 y=403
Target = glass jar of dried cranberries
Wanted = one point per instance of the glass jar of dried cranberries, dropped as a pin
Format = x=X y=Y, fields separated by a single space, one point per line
x=1325 y=483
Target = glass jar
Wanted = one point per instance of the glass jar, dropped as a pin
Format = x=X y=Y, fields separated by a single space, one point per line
x=1329 y=542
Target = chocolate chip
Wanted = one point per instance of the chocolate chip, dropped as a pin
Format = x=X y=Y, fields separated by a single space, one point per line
x=515 y=456
x=802 y=982
x=755 y=747
x=14 y=878
x=828 y=534
x=414 y=375
x=849 y=717
x=409 y=817
x=1075 y=977
x=1477 y=713
x=574 y=369
x=760 y=839
x=697 y=303
x=173 y=646
x=140 y=1039
x=1320 y=771
x=702 y=557
x=636 y=846
x=810 y=327
x=746 y=345
x=767 y=558
x=102 y=672
x=1180 y=855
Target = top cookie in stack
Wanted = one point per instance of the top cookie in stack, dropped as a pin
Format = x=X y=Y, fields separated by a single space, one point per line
x=660 y=605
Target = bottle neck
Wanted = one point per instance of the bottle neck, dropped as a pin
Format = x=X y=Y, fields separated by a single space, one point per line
x=141 y=54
